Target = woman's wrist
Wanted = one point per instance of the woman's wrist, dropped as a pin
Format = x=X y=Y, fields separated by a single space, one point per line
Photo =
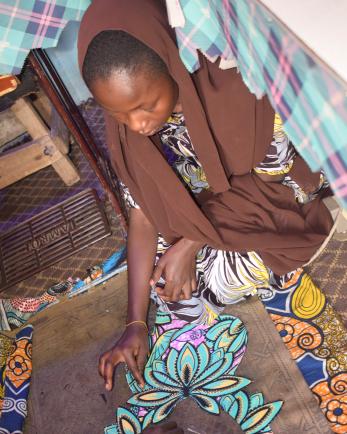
x=137 y=323
x=193 y=246
x=137 y=309
x=131 y=317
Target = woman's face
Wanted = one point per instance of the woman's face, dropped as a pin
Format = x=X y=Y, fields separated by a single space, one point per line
x=140 y=101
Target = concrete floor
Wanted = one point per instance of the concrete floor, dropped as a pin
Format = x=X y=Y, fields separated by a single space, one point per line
x=67 y=395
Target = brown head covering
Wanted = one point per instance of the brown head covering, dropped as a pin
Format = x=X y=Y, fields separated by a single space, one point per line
x=231 y=131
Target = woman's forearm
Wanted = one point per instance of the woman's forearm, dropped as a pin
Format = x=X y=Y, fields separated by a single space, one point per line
x=141 y=251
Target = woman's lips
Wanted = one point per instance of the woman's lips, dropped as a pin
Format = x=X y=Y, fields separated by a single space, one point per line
x=155 y=130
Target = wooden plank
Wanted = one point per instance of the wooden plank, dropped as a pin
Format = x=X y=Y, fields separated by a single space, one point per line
x=28 y=116
x=72 y=320
x=66 y=170
x=36 y=158
x=43 y=106
x=59 y=132
x=27 y=159
x=10 y=127
x=61 y=143
x=70 y=336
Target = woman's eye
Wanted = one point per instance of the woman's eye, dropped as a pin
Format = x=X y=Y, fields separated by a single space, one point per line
x=150 y=108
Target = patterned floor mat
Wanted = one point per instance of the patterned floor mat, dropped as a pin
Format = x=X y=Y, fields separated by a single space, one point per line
x=40 y=191
x=329 y=271
x=51 y=236
x=75 y=265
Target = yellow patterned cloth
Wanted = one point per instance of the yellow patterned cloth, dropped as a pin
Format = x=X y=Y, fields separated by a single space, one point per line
x=316 y=338
x=280 y=157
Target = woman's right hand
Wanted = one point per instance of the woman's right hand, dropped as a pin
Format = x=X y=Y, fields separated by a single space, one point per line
x=132 y=349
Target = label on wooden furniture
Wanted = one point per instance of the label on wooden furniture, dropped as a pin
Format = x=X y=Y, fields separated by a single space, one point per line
x=51 y=236
x=57 y=232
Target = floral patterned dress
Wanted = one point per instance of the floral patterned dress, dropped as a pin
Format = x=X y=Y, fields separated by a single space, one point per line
x=308 y=325
x=223 y=277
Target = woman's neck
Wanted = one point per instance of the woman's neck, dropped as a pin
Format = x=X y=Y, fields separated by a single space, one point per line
x=178 y=108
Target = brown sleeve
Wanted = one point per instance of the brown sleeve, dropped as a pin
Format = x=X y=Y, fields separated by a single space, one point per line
x=303 y=176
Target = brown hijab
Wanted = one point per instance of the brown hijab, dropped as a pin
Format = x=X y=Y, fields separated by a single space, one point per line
x=231 y=131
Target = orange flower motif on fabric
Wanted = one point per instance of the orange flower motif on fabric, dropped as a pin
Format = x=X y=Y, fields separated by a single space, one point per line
x=337 y=411
x=299 y=336
x=19 y=365
x=286 y=331
x=333 y=401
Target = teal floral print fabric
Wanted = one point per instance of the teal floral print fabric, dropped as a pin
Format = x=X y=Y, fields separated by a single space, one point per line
x=198 y=362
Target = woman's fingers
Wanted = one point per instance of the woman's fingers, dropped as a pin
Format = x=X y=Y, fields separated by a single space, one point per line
x=108 y=374
x=167 y=292
x=134 y=369
x=107 y=362
x=186 y=293
x=176 y=292
x=141 y=358
x=158 y=271
x=193 y=284
x=101 y=366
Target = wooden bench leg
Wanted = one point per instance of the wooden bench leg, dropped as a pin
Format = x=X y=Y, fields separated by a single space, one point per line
x=66 y=170
x=26 y=159
x=37 y=129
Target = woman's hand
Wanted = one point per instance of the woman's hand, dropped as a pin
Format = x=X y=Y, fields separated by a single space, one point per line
x=132 y=349
x=168 y=428
x=177 y=268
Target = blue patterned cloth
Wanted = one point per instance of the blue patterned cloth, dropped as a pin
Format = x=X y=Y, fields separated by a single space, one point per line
x=15 y=382
x=27 y=24
x=308 y=96
x=316 y=338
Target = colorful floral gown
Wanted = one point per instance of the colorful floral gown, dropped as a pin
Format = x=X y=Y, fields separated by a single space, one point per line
x=222 y=277
x=309 y=327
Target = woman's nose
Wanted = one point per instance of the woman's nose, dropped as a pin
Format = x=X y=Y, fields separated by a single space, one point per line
x=138 y=124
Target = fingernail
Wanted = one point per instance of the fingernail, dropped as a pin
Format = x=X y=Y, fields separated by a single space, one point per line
x=151 y=282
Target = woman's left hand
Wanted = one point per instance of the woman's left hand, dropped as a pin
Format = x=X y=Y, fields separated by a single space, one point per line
x=177 y=267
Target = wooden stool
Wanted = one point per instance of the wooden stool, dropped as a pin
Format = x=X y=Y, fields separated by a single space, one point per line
x=41 y=152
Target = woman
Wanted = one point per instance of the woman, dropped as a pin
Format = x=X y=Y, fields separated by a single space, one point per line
x=201 y=164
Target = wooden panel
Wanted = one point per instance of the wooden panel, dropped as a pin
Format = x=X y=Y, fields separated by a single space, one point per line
x=29 y=118
x=66 y=170
x=70 y=336
x=27 y=159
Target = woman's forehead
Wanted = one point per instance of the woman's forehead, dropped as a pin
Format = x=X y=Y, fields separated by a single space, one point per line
x=122 y=92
